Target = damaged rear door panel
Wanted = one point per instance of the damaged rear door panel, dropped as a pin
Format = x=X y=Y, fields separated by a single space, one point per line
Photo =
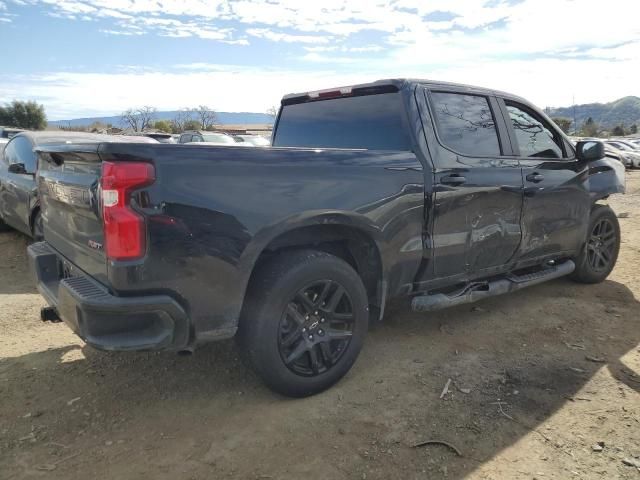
x=478 y=189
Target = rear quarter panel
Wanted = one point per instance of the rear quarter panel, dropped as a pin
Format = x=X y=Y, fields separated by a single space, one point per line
x=213 y=210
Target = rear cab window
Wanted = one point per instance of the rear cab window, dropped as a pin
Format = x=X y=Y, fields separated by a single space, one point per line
x=466 y=124
x=371 y=122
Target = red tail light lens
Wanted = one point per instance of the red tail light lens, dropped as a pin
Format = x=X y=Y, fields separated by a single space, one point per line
x=124 y=228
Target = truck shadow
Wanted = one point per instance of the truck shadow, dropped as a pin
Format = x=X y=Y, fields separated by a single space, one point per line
x=514 y=362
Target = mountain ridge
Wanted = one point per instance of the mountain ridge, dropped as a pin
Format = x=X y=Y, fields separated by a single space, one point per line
x=623 y=111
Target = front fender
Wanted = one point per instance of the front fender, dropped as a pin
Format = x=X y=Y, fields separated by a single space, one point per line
x=606 y=177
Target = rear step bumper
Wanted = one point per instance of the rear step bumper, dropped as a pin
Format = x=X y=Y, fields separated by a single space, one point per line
x=480 y=290
x=105 y=321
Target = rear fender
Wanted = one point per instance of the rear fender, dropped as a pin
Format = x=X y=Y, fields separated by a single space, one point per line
x=312 y=218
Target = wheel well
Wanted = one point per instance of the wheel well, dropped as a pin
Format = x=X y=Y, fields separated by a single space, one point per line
x=32 y=218
x=348 y=243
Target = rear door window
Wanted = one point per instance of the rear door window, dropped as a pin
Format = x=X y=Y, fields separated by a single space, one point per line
x=535 y=137
x=466 y=124
x=372 y=122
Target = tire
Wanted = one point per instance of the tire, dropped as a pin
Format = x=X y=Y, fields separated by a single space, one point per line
x=36 y=228
x=3 y=226
x=601 y=248
x=304 y=321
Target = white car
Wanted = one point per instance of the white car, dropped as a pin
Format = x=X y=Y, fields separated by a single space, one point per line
x=626 y=151
x=253 y=140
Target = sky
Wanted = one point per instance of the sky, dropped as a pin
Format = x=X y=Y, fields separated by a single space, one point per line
x=83 y=58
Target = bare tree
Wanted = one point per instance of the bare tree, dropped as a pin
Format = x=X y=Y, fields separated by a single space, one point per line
x=181 y=117
x=206 y=115
x=138 y=119
x=272 y=112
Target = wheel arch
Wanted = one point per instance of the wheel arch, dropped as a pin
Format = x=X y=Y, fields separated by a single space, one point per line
x=353 y=240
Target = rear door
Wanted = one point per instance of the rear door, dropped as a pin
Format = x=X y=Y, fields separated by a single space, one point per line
x=478 y=187
x=556 y=198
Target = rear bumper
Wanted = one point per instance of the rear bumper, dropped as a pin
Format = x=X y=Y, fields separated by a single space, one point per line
x=103 y=320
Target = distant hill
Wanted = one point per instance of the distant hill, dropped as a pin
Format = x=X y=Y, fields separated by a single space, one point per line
x=223 y=118
x=625 y=111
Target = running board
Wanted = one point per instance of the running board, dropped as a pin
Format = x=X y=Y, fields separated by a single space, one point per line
x=479 y=290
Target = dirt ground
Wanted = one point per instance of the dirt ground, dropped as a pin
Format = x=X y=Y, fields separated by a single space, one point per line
x=538 y=379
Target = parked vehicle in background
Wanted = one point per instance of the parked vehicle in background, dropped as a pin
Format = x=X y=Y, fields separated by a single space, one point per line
x=160 y=137
x=628 y=151
x=446 y=193
x=19 y=200
x=623 y=144
x=254 y=140
x=212 y=138
x=8 y=132
x=619 y=155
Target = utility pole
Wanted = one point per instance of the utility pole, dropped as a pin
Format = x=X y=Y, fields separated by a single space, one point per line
x=575 y=123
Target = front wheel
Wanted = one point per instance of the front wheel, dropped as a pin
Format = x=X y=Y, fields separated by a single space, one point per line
x=304 y=322
x=601 y=249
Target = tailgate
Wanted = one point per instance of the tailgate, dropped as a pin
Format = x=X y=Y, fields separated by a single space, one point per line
x=68 y=183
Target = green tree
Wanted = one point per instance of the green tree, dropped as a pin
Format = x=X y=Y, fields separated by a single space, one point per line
x=563 y=123
x=20 y=114
x=589 y=128
x=618 y=131
x=163 y=126
x=633 y=129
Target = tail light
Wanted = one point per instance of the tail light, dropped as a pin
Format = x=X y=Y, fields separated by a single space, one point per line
x=124 y=228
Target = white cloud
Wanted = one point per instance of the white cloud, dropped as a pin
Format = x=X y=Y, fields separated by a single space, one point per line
x=546 y=50
x=284 y=37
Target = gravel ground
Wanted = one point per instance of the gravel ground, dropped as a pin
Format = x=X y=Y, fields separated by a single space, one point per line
x=538 y=379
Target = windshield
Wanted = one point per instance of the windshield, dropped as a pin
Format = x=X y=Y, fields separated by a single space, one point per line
x=217 y=138
x=373 y=122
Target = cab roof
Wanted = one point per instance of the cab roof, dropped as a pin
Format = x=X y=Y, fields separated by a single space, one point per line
x=397 y=84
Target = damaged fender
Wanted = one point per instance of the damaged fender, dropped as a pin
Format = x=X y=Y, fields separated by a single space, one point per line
x=606 y=177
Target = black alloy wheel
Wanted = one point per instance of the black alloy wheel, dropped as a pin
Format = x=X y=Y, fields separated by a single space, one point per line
x=304 y=321
x=316 y=328
x=601 y=245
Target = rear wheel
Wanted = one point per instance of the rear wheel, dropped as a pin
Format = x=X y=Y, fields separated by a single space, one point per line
x=305 y=320
x=601 y=249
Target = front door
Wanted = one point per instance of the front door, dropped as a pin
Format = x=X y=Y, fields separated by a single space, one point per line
x=556 y=198
x=478 y=189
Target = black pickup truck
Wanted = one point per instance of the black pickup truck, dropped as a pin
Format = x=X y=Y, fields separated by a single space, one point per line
x=442 y=192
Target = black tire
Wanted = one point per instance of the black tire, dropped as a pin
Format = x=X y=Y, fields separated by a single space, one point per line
x=601 y=248
x=36 y=228
x=291 y=333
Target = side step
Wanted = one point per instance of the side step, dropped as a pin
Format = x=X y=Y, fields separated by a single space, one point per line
x=479 y=290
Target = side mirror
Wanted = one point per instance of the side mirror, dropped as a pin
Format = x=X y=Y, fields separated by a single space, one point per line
x=589 y=150
x=17 y=168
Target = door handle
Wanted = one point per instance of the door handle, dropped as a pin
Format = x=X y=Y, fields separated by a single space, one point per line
x=453 y=179
x=535 y=177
